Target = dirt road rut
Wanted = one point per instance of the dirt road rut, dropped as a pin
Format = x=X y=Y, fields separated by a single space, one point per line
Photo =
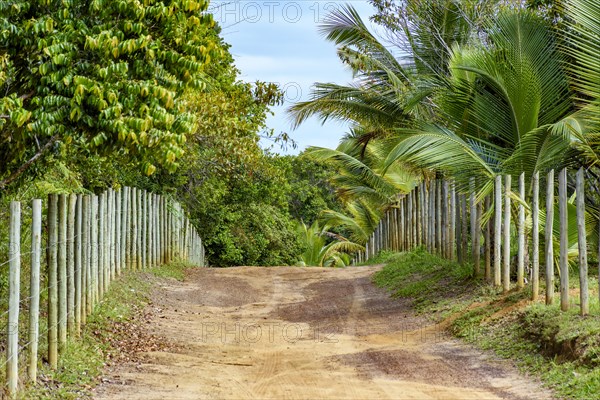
x=304 y=333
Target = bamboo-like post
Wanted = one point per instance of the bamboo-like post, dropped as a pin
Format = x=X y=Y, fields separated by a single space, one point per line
x=394 y=231
x=111 y=238
x=401 y=226
x=465 y=227
x=506 y=241
x=474 y=232
x=417 y=207
x=431 y=246
x=79 y=257
x=521 y=235
x=497 y=229
x=95 y=251
x=140 y=222
x=72 y=209
x=564 y=239
x=445 y=224
x=584 y=295
x=549 y=238
x=488 y=244
x=415 y=220
x=118 y=230
x=107 y=239
x=164 y=237
x=535 y=237
x=409 y=220
x=457 y=212
x=62 y=272
x=144 y=228
x=124 y=229
x=448 y=225
x=439 y=245
x=34 y=287
x=424 y=214
x=86 y=305
x=52 y=281
x=128 y=195
x=14 y=291
x=101 y=243
x=452 y=211
x=134 y=228
x=157 y=230
x=149 y=229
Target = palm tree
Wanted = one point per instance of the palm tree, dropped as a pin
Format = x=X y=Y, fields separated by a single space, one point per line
x=321 y=250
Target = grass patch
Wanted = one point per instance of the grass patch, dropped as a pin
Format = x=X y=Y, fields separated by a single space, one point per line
x=437 y=286
x=81 y=365
x=562 y=348
x=175 y=270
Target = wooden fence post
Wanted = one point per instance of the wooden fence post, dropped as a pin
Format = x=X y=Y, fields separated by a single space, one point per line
x=52 y=281
x=445 y=220
x=452 y=232
x=85 y=272
x=134 y=229
x=72 y=209
x=549 y=238
x=101 y=242
x=95 y=251
x=62 y=272
x=506 y=241
x=521 y=235
x=79 y=249
x=474 y=233
x=488 y=244
x=140 y=212
x=14 y=280
x=535 y=237
x=464 y=227
x=497 y=230
x=581 y=232
x=144 y=228
x=34 y=285
x=111 y=237
x=124 y=229
x=439 y=245
x=564 y=239
x=116 y=271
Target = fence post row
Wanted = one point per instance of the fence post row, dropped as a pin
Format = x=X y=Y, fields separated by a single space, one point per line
x=90 y=241
x=435 y=215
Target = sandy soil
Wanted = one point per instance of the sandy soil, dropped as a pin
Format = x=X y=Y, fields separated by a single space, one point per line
x=303 y=333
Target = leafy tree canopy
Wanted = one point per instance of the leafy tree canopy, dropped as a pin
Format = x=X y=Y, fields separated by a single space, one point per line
x=106 y=76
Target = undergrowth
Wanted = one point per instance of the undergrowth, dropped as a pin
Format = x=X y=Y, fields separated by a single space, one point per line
x=562 y=348
x=83 y=360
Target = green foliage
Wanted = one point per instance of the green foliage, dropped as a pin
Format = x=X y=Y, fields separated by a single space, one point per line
x=563 y=348
x=81 y=365
x=420 y=276
x=310 y=189
x=323 y=248
x=103 y=76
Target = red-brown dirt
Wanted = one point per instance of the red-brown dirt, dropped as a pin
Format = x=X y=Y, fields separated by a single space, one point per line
x=303 y=333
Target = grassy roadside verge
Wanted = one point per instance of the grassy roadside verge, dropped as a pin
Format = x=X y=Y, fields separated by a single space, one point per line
x=113 y=332
x=562 y=348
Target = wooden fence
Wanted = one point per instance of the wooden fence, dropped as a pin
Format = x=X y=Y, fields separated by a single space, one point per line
x=89 y=241
x=451 y=223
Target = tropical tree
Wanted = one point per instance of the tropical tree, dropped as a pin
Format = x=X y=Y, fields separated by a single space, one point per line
x=324 y=248
x=102 y=75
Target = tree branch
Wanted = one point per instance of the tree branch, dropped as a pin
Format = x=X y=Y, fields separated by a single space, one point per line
x=27 y=164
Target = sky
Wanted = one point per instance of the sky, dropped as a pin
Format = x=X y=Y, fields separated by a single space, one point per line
x=279 y=41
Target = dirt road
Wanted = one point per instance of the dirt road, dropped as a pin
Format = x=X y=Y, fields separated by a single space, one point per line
x=304 y=333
